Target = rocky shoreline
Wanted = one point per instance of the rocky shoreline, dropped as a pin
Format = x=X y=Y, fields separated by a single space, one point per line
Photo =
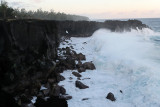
x=31 y=61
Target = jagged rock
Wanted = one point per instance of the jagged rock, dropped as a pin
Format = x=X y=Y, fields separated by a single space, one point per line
x=80 y=56
x=111 y=97
x=80 y=85
x=76 y=74
x=79 y=64
x=81 y=69
x=89 y=65
x=51 y=102
x=68 y=63
x=55 y=91
x=60 y=78
x=66 y=97
x=62 y=90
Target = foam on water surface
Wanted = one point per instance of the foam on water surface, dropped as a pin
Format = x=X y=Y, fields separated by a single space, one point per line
x=128 y=61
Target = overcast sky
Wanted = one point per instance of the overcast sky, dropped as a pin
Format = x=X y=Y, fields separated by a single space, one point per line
x=95 y=9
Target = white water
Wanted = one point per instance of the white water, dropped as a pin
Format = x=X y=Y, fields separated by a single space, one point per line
x=128 y=61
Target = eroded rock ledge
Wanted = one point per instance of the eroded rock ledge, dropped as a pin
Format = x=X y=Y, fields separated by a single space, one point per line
x=28 y=54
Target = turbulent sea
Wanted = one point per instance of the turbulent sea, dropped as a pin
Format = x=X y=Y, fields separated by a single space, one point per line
x=128 y=61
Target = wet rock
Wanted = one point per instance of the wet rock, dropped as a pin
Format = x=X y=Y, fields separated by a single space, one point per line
x=71 y=47
x=85 y=99
x=70 y=78
x=66 y=97
x=60 y=78
x=68 y=63
x=78 y=78
x=81 y=69
x=111 y=97
x=79 y=64
x=84 y=42
x=55 y=91
x=80 y=56
x=89 y=65
x=76 y=74
x=62 y=90
x=80 y=85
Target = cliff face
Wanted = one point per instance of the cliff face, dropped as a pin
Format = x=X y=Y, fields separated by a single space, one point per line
x=26 y=47
x=28 y=50
x=87 y=28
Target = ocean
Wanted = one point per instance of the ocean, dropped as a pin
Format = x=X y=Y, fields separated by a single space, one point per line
x=128 y=61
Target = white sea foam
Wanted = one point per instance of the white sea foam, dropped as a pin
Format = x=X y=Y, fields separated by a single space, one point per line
x=128 y=61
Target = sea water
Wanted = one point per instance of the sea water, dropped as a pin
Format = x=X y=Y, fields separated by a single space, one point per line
x=128 y=61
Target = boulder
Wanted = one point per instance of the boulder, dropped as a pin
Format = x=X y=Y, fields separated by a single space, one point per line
x=89 y=65
x=80 y=85
x=80 y=56
x=68 y=63
x=76 y=74
x=111 y=97
x=81 y=69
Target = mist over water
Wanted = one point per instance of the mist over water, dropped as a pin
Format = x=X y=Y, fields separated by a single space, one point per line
x=132 y=58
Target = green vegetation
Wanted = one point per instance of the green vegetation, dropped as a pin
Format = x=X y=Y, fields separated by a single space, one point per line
x=7 y=12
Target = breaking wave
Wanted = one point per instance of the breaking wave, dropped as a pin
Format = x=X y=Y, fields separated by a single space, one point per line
x=133 y=57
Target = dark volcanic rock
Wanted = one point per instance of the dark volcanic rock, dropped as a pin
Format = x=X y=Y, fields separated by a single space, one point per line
x=80 y=85
x=76 y=74
x=89 y=65
x=68 y=63
x=81 y=69
x=62 y=90
x=66 y=97
x=51 y=102
x=111 y=97
x=80 y=56
x=79 y=64
x=85 y=99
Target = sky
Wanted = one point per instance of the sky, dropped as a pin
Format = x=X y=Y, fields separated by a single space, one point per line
x=95 y=9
